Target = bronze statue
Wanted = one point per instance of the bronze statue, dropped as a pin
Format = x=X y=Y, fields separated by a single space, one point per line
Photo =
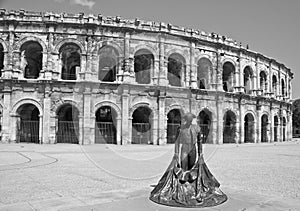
x=187 y=182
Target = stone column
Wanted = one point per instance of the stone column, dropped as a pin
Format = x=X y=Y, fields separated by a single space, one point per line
x=6 y=119
x=241 y=124
x=41 y=132
x=270 y=77
x=81 y=72
x=220 y=122
x=87 y=139
x=241 y=84
x=219 y=79
x=92 y=129
x=81 y=129
x=214 y=131
x=126 y=133
x=155 y=129
x=193 y=67
x=258 y=130
x=46 y=117
x=155 y=72
x=128 y=76
x=13 y=127
x=119 y=130
x=162 y=119
x=163 y=63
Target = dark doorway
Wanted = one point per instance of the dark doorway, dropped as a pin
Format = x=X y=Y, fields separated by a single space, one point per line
x=204 y=120
x=28 y=123
x=68 y=125
x=141 y=126
x=105 y=130
x=229 y=127
x=174 y=121
x=249 y=132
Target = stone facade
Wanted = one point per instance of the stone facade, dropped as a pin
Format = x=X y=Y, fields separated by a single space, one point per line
x=105 y=79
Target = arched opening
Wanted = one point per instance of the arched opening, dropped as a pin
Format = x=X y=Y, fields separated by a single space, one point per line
x=228 y=77
x=176 y=69
x=28 y=123
x=249 y=128
x=70 y=55
x=203 y=71
x=283 y=92
x=248 y=78
x=274 y=85
x=108 y=63
x=283 y=129
x=31 y=59
x=143 y=65
x=229 y=129
x=105 y=130
x=68 y=124
x=141 y=126
x=276 y=128
x=204 y=120
x=264 y=128
x=174 y=121
x=1 y=59
x=263 y=82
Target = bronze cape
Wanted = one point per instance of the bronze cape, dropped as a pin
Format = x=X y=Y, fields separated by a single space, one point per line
x=195 y=187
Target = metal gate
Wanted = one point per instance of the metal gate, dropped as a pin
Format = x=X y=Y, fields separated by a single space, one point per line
x=141 y=133
x=249 y=133
x=105 y=132
x=229 y=134
x=67 y=132
x=171 y=132
x=204 y=132
x=28 y=131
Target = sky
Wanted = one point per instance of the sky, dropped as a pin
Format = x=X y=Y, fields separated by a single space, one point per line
x=270 y=27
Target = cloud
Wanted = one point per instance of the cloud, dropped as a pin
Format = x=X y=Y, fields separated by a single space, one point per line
x=85 y=3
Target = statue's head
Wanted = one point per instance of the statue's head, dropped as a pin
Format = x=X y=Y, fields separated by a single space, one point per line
x=188 y=117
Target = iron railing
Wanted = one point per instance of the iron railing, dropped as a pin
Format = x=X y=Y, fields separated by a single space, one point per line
x=105 y=132
x=67 y=132
x=141 y=133
x=229 y=134
x=171 y=132
x=28 y=131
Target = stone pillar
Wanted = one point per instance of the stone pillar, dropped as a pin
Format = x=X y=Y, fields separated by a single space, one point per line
x=6 y=119
x=128 y=76
x=154 y=126
x=87 y=139
x=129 y=140
x=119 y=130
x=214 y=131
x=219 y=79
x=163 y=63
x=258 y=130
x=193 y=67
x=126 y=132
x=81 y=72
x=241 y=84
x=162 y=119
x=81 y=129
x=220 y=122
x=46 y=118
x=271 y=121
x=270 y=77
x=92 y=129
x=241 y=124
x=13 y=127
x=41 y=132
x=155 y=72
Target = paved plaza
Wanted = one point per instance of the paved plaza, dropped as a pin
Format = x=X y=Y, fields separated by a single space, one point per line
x=120 y=177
